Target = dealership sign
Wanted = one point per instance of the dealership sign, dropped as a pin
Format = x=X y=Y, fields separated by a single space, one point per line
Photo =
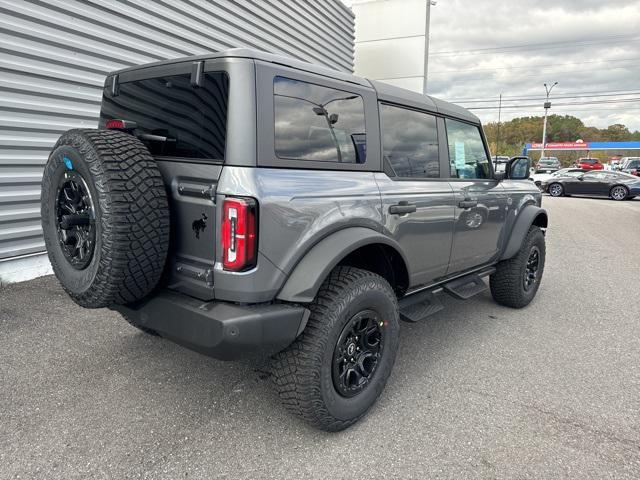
x=582 y=145
x=579 y=145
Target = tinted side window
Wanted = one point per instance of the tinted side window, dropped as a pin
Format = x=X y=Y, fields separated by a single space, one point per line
x=409 y=142
x=467 y=155
x=188 y=121
x=318 y=123
x=597 y=175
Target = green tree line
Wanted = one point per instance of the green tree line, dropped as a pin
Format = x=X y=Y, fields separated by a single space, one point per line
x=560 y=128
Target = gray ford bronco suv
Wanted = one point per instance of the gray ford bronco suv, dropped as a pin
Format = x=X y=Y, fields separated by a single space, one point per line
x=242 y=203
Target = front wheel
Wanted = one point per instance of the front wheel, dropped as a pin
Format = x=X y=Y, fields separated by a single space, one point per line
x=337 y=368
x=556 y=190
x=618 y=193
x=516 y=280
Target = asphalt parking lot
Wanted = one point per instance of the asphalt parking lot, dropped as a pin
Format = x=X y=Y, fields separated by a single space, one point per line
x=478 y=390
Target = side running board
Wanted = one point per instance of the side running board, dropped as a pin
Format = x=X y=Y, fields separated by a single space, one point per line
x=420 y=305
x=467 y=286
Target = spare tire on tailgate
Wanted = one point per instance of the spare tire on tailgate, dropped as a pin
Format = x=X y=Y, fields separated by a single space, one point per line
x=105 y=217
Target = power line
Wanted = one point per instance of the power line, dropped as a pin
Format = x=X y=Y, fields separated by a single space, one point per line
x=525 y=47
x=441 y=72
x=542 y=96
x=540 y=75
x=572 y=110
x=595 y=102
x=603 y=38
x=563 y=97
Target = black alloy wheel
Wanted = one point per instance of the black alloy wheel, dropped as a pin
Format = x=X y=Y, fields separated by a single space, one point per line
x=532 y=268
x=357 y=352
x=75 y=220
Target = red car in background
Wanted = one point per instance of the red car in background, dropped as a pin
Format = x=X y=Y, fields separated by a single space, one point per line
x=589 y=164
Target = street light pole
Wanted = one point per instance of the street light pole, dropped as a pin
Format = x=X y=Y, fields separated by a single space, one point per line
x=498 y=132
x=547 y=106
x=426 y=45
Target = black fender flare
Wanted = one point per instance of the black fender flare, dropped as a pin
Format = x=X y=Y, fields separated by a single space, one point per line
x=307 y=276
x=528 y=216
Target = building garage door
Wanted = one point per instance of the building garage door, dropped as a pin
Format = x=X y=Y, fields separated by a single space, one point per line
x=54 y=55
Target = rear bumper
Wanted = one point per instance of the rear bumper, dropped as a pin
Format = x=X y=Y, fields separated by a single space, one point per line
x=222 y=330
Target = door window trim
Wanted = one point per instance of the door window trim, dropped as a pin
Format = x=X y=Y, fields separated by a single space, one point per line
x=387 y=165
x=443 y=147
x=491 y=176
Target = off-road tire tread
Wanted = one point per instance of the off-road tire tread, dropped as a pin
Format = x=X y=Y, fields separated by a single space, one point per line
x=506 y=283
x=296 y=370
x=135 y=215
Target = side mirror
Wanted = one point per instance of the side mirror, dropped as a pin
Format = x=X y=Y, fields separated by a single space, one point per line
x=518 y=168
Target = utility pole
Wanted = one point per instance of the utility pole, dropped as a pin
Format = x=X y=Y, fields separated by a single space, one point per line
x=426 y=45
x=498 y=132
x=547 y=106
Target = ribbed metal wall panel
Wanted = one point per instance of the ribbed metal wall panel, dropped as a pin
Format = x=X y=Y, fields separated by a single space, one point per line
x=54 y=55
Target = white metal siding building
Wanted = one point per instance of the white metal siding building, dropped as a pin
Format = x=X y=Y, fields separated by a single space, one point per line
x=54 y=55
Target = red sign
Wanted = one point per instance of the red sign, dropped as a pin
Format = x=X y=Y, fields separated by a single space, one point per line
x=561 y=146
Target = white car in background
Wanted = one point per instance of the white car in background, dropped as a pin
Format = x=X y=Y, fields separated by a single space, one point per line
x=539 y=178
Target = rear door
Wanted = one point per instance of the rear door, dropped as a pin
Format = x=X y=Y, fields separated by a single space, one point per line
x=417 y=206
x=480 y=200
x=181 y=116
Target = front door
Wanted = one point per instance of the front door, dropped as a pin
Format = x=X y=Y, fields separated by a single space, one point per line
x=417 y=206
x=591 y=183
x=480 y=200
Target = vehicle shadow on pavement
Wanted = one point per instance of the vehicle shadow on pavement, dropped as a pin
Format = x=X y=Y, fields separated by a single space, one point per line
x=92 y=365
x=206 y=386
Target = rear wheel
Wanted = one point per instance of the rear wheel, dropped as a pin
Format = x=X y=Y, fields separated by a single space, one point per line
x=334 y=372
x=619 y=193
x=516 y=280
x=556 y=190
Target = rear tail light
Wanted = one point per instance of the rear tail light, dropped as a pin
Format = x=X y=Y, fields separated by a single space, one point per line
x=239 y=234
x=118 y=124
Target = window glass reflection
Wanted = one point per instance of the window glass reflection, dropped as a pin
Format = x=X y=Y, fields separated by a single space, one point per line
x=467 y=155
x=410 y=142
x=318 y=123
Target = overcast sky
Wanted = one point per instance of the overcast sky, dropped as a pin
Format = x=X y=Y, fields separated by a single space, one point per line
x=554 y=41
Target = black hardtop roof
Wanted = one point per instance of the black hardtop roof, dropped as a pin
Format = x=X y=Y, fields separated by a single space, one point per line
x=386 y=92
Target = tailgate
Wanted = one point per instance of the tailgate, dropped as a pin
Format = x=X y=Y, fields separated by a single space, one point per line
x=181 y=116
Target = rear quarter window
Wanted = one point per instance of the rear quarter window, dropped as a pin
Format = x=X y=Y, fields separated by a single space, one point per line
x=317 y=123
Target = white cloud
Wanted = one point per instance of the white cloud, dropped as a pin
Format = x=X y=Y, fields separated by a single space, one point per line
x=585 y=45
